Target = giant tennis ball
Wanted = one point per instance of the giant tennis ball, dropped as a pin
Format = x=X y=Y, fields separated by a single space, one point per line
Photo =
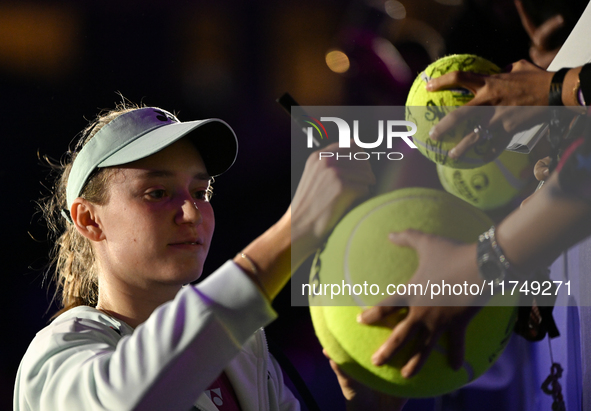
x=491 y=186
x=358 y=252
x=426 y=109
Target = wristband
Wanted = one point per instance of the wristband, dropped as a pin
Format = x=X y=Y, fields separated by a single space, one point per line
x=555 y=94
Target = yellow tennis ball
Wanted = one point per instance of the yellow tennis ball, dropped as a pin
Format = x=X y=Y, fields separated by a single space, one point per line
x=358 y=254
x=426 y=109
x=491 y=186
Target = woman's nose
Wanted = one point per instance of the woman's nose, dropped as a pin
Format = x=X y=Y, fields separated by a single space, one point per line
x=189 y=213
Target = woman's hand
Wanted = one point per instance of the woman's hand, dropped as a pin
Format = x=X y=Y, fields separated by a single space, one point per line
x=328 y=188
x=361 y=397
x=439 y=259
x=524 y=85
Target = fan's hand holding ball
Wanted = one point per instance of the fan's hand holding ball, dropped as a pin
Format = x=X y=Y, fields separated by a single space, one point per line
x=496 y=95
x=426 y=108
x=358 y=251
x=426 y=324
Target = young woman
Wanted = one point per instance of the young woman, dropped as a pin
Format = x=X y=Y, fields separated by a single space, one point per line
x=134 y=223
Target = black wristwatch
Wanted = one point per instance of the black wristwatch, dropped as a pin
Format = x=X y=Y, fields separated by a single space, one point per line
x=555 y=94
x=492 y=264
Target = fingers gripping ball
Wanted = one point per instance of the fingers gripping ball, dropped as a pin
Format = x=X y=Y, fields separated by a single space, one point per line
x=359 y=252
x=491 y=186
x=426 y=109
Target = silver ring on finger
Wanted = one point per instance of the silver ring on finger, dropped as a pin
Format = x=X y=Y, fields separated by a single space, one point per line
x=483 y=133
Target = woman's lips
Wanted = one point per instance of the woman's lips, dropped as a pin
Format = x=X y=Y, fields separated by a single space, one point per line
x=189 y=244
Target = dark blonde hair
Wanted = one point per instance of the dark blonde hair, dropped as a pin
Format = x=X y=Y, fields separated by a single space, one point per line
x=72 y=259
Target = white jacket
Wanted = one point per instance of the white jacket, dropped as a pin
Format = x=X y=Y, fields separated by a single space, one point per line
x=86 y=360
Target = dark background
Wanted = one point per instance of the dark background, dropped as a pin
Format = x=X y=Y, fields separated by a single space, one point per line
x=63 y=61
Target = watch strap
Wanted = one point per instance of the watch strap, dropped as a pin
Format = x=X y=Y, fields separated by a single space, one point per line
x=555 y=94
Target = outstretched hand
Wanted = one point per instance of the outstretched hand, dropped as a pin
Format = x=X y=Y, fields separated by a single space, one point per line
x=524 y=85
x=439 y=259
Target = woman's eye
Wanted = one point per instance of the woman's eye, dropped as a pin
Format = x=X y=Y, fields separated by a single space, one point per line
x=156 y=194
x=203 y=195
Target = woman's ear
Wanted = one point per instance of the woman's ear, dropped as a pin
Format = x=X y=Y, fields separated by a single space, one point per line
x=84 y=217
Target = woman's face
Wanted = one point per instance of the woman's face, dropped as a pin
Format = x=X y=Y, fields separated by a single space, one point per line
x=157 y=223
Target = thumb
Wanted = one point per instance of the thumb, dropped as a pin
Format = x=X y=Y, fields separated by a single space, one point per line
x=380 y=312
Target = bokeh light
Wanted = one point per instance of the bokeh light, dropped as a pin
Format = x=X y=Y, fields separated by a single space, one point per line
x=395 y=9
x=337 y=61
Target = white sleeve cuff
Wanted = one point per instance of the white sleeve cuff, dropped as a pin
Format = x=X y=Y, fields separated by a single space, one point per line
x=232 y=291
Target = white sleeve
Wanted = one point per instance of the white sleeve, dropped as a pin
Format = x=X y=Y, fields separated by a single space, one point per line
x=168 y=361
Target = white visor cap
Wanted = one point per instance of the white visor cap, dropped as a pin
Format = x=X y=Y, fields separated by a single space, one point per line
x=140 y=133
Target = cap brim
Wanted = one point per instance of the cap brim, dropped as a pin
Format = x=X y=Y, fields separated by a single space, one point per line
x=214 y=139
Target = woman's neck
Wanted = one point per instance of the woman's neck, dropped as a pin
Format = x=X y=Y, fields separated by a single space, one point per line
x=130 y=304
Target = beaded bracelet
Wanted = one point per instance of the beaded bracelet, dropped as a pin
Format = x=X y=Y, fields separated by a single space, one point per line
x=492 y=263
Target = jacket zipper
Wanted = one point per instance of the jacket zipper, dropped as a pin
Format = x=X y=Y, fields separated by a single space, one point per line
x=265 y=357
